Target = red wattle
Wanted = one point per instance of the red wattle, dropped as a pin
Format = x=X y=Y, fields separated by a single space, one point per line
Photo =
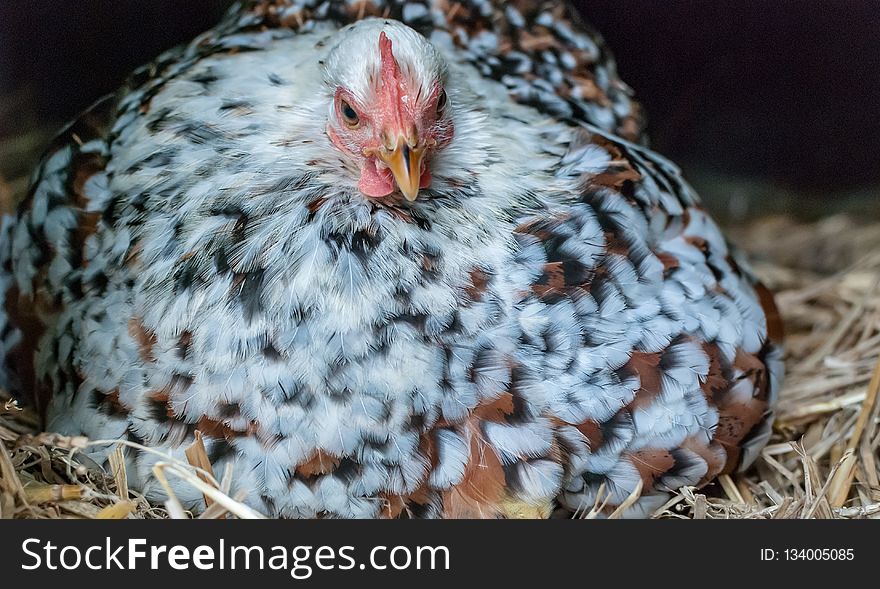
x=375 y=183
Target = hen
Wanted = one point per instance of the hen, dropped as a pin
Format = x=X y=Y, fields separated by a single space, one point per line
x=391 y=260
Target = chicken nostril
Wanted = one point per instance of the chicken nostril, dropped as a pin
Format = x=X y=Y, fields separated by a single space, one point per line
x=387 y=143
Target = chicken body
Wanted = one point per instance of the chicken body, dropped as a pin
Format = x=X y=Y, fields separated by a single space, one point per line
x=553 y=322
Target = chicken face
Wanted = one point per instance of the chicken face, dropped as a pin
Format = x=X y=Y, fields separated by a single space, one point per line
x=393 y=119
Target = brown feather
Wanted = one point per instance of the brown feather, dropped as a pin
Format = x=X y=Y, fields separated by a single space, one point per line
x=647 y=367
x=145 y=339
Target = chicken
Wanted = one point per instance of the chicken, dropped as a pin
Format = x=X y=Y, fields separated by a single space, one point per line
x=403 y=260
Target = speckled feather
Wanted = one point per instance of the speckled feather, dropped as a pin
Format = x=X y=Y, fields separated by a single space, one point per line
x=554 y=318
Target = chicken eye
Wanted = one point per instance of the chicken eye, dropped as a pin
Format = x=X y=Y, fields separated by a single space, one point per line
x=441 y=102
x=348 y=113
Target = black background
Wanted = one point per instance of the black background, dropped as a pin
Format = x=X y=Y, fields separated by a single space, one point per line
x=788 y=91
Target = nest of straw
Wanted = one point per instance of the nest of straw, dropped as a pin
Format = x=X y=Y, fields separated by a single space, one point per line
x=822 y=461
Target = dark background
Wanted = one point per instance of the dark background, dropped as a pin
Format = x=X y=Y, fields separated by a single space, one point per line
x=744 y=95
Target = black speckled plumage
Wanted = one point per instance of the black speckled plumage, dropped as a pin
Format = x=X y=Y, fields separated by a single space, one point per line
x=547 y=321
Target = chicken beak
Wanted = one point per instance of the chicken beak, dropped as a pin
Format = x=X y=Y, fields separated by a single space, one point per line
x=405 y=163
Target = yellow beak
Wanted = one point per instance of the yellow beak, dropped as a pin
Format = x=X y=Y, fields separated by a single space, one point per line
x=405 y=163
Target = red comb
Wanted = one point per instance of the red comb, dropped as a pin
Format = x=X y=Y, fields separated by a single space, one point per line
x=390 y=73
x=391 y=100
